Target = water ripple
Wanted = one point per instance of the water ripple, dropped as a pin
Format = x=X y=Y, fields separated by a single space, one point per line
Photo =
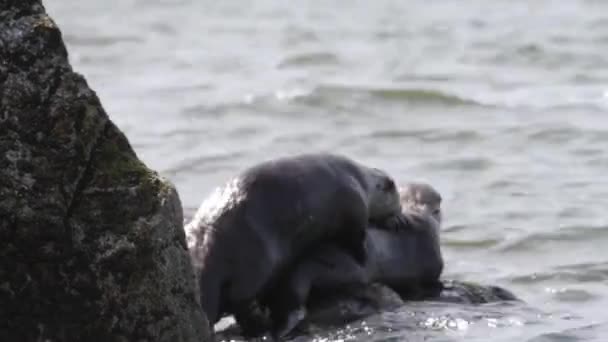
x=556 y=135
x=565 y=235
x=309 y=59
x=463 y=164
x=334 y=92
x=574 y=273
x=98 y=40
x=591 y=332
x=204 y=164
x=429 y=135
x=471 y=244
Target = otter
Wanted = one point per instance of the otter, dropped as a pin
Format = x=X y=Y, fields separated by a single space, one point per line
x=247 y=232
x=408 y=260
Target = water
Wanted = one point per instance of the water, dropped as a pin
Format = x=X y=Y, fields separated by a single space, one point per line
x=502 y=105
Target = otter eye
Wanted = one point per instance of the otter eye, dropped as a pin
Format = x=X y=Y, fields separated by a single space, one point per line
x=436 y=212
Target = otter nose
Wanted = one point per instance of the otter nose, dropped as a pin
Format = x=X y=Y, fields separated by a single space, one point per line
x=389 y=184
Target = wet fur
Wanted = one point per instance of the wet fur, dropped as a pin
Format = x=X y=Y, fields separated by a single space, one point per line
x=406 y=260
x=251 y=229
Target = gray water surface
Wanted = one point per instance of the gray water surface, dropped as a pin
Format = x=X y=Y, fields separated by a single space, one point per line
x=502 y=105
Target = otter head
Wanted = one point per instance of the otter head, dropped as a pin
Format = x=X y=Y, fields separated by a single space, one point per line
x=422 y=198
x=422 y=207
x=383 y=195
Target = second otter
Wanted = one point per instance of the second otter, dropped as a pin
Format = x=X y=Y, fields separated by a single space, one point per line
x=406 y=260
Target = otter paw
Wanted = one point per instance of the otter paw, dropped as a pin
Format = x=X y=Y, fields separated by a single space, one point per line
x=395 y=223
x=292 y=320
x=252 y=320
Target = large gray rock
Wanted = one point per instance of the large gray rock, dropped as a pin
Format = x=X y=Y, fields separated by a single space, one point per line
x=91 y=241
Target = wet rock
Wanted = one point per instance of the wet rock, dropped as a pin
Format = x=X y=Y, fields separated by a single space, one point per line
x=337 y=309
x=471 y=293
x=91 y=240
x=349 y=305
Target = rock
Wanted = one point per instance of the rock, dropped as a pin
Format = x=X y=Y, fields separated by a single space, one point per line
x=471 y=293
x=337 y=309
x=349 y=305
x=92 y=246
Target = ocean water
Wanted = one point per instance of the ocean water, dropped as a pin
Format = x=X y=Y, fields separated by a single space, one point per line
x=501 y=105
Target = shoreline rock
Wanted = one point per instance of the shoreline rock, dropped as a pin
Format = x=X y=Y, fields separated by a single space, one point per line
x=92 y=245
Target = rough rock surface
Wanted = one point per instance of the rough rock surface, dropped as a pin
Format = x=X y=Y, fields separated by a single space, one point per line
x=91 y=241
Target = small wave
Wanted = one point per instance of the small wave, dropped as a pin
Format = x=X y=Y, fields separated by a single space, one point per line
x=309 y=59
x=503 y=184
x=455 y=228
x=468 y=244
x=556 y=134
x=587 y=106
x=574 y=273
x=591 y=332
x=573 y=212
x=599 y=136
x=567 y=234
x=162 y=28
x=99 y=40
x=587 y=151
x=465 y=164
x=578 y=184
x=429 y=135
x=349 y=98
x=297 y=138
x=215 y=110
x=430 y=96
x=206 y=163
x=182 y=132
x=572 y=295
x=421 y=96
x=331 y=93
x=598 y=162
x=180 y=89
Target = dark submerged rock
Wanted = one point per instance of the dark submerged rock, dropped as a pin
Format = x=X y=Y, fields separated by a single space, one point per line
x=349 y=305
x=91 y=240
x=471 y=293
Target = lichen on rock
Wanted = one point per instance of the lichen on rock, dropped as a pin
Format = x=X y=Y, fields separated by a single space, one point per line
x=91 y=240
